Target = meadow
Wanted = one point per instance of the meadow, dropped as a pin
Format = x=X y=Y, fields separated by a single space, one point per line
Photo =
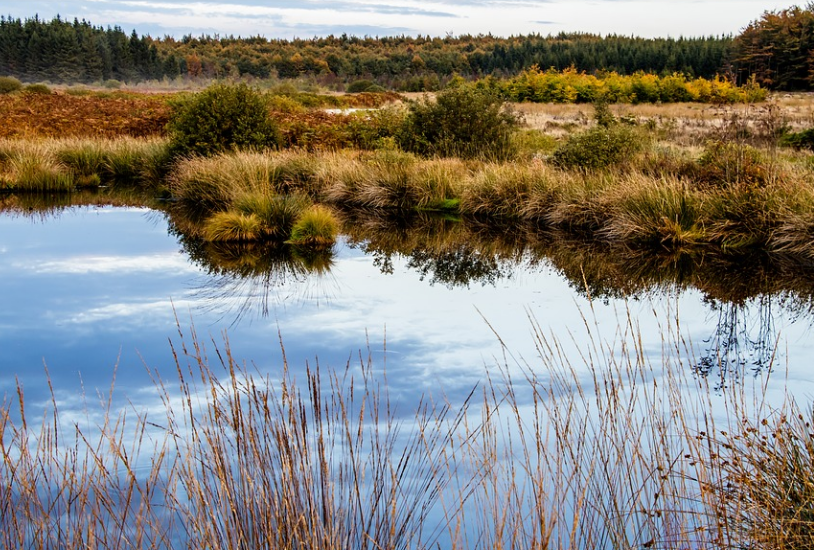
x=728 y=176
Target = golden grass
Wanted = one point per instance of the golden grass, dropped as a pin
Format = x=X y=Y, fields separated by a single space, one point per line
x=232 y=227
x=315 y=227
x=65 y=164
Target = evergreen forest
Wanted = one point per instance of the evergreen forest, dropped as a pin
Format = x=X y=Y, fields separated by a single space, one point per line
x=774 y=51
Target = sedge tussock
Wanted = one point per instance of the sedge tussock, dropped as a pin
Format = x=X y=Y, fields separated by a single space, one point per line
x=655 y=212
x=317 y=227
x=500 y=190
x=232 y=227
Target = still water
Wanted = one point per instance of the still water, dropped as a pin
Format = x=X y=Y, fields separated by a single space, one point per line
x=89 y=292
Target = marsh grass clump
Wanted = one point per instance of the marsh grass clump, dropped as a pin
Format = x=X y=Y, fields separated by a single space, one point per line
x=653 y=212
x=232 y=227
x=739 y=218
x=296 y=172
x=86 y=160
x=439 y=184
x=214 y=183
x=132 y=163
x=392 y=181
x=316 y=227
x=500 y=190
x=35 y=173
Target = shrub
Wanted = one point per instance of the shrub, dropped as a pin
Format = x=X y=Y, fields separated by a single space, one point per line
x=37 y=89
x=463 y=121
x=85 y=160
x=363 y=86
x=9 y=84
x=317 y=227
x=221 y=118
x=599 y=147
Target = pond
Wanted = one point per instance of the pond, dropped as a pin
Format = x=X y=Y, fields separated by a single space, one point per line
x=90 y=290
x=95 y=293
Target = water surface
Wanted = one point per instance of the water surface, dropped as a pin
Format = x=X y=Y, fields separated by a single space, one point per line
x=89 y=291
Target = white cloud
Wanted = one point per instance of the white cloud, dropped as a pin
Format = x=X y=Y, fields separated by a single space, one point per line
x=79 y=265
x=287 y=18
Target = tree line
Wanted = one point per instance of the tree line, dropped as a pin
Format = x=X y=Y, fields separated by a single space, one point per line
x=774 y=50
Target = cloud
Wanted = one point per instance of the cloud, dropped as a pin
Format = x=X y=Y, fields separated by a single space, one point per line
x=84 y=265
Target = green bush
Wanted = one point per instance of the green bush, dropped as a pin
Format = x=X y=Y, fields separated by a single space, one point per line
x=799 y=140
x=599 y=147
x=463 y=121
x=9 y=84
x=37 y=89
x=363 y=86
x=223 y=117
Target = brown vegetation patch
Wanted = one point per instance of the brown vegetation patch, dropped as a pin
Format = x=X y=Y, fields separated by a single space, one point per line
x=61 y=115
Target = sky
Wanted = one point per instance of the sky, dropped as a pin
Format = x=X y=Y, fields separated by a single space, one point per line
x=310 y=18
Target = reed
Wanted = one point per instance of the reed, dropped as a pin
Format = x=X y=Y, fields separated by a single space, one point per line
x=615 y=449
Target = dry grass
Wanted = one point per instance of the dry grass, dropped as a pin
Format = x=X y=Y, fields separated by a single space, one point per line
x=65 y=164
x=616 y=449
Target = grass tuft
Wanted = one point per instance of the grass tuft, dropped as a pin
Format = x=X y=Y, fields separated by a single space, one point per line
x=232 y=227
x=316 y=227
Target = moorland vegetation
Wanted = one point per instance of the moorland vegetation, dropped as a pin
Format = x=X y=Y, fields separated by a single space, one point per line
x=244 y=164
x=619 y=158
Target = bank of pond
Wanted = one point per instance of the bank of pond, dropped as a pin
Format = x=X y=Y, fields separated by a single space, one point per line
x=728 y=196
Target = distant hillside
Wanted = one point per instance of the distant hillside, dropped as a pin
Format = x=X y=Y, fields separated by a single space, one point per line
x=77 y=51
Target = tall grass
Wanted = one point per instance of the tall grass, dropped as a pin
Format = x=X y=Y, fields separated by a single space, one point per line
x=657 y=213
x=608 y=447
x=236 y=460
x=63 y=165
x=316 y=227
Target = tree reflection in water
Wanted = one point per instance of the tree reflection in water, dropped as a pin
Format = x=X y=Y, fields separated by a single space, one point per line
x=744 y=290
x=744 y=342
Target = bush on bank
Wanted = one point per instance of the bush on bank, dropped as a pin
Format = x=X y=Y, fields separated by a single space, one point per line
x=461 y=122
x=221 y=118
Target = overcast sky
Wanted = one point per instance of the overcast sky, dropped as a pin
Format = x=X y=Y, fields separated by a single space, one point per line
x=308 y=18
